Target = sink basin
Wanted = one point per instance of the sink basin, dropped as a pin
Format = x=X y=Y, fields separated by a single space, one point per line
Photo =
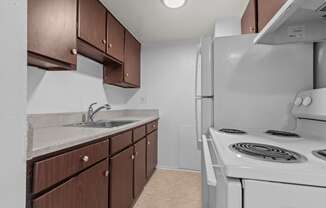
x=101 y=124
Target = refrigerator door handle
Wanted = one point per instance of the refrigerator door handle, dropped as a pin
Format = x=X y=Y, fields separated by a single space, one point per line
x=198 y=134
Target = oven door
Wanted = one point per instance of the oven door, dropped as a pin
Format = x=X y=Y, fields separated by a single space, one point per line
x=219 y=191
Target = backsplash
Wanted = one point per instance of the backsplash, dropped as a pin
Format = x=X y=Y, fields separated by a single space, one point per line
x=72 y=91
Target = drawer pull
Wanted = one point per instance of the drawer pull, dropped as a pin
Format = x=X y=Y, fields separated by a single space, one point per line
x=85 y=158
x=106 y=173
x=74 y=51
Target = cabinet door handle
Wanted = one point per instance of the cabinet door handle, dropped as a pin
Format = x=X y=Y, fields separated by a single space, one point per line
x=252 y=29
x=106 y=173
x=127 y=75
x=154 y=126
x=85 y=158
x=110 y=45
x=148 y=142
x=104 y=42
x=74 y=51
x=132 y=157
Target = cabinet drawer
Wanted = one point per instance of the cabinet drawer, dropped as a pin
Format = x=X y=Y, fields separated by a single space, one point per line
x=55 y=169
x=120 y=141
x=151 y=126
x=139 y=133
x=64 y=196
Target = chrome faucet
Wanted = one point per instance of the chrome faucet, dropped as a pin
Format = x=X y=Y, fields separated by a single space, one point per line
x=91 y=112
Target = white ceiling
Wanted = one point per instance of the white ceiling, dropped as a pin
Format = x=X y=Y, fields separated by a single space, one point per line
x=150 y=21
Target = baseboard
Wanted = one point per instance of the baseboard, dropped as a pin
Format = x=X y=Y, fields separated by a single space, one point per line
x=177 y=169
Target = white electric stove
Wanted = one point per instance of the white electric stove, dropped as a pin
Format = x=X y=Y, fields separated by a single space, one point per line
x=270 y=169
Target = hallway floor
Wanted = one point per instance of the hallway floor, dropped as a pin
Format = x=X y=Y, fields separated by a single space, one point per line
x=175 y=189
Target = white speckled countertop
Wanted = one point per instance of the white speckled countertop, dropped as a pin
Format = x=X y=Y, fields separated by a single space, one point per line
x=47 y=139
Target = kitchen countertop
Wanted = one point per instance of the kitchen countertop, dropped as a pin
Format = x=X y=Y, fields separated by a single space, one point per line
x=50 y=139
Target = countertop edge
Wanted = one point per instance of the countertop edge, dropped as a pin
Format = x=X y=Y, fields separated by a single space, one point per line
x=34 y=154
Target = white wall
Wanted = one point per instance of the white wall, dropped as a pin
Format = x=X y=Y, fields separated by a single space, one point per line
x=72 y=91
x=320 y=65
x=168 y=77
x=13 y=103
x=228 y=27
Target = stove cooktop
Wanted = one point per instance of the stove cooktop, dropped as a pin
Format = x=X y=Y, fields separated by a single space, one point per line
x=267 y=153
x=232 y=131
x=282 y=133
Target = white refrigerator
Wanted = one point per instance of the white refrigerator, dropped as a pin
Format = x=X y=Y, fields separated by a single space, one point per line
x=246 y=86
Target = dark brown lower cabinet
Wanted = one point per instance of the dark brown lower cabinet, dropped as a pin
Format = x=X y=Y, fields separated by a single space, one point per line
x=87 y=190
x=139 y=167
x=94 y=186
x=121 y=185
x=64 y=196
x=151 y=152
x=92 y=176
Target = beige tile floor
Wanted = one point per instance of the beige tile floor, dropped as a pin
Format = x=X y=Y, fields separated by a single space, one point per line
x=172 y=189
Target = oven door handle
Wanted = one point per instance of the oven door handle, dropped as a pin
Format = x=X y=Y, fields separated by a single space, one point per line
x=210 y=173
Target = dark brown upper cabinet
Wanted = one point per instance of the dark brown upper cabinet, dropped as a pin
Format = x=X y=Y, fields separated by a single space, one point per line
x=52 y=40
x=266 y=10
x=128 y=75
x=92 y=23
x=258 y=13
x=132 y=60
x=115 y=38
x=249 y=18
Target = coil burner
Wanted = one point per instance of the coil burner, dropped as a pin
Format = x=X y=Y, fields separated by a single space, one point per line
x=267 y=153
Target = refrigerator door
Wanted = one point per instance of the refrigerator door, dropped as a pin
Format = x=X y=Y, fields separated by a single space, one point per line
x=254 y=85
x=204 y=88
x=206 y=73
x=204 y=117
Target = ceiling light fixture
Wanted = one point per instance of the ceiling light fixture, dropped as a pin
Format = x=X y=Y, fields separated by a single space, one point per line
x=174 y=4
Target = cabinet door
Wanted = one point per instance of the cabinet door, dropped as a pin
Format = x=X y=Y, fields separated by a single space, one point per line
x=266 y=10
x=121 y=192
x=151 y=153
x=92 y=23
x=64 y=196
x=139 y=167
x=132 y=60
x=249 y=18
x=94 y=186
x=52 y=29
x=115 y=37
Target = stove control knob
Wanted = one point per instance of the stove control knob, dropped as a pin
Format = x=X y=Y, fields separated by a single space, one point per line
x=298 y=101
x=307 y=101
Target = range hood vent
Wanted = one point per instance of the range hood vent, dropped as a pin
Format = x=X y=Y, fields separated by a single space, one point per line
x=297 y=21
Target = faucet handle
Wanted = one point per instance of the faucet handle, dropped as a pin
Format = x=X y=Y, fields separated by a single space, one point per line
x=108 y=106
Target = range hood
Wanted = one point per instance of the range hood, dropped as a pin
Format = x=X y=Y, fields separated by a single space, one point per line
x=296 y=21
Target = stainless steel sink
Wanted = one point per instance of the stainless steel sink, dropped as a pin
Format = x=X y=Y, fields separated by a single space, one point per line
x=101 y=124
